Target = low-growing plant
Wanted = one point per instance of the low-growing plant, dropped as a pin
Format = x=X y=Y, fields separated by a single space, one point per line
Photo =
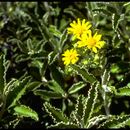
x=64 y=65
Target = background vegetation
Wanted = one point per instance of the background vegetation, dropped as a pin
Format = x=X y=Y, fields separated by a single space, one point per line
x=38 y=91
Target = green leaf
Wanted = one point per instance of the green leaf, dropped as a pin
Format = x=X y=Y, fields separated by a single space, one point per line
x=54 y=43
x=22 y=58
x=56 y=74
x=46 y=16
x=6 y=65
x=127 y=122
x=54 y=31
x=39 y=56
x=105 y=77
x=33 y=85
x=53 y=85
x=63 y=39
x=62 y=125
x=39 y=46
x=84 y=74
x=47 y=35
x=95 y=120
x=102 y=10
x=125 y=91
x=97 y=108
x=10 y=86
x=37 y=63
x=56 y=114
x=52 y=57
x=90 y=103
x=77 y=114
x=116 y=19
x=46 y=95
x=30 y=46
x=116 y=122
x=21 y=45
x=74 y=12
x=26 y=111
x=19 y=90
x=76 y=87
x=2 y=70
x=115 y=69
x=44 y=30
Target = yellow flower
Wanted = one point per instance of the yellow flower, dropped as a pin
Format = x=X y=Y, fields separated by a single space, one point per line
x=70 y=57
x=92 y=42
x=83 y=41
x=77 y=29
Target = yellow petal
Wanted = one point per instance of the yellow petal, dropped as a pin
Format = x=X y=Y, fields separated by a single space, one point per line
x=94 y=49
x=79 y=23
x=101 y=43
x=98 y=37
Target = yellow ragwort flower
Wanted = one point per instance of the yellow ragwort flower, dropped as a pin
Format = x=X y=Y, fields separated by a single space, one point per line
x=92 y=42
x=70 y=57
x=77 y=29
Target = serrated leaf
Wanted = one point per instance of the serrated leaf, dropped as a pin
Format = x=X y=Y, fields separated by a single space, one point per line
x=40 y=45
x=52 y=57
x=46 y=95
x=21 y=46
x=10 y=85
x=76 y=87
x=102 y=10
x=22 y=58
x=116 y=122
x=116 y=19
x=95 y=120
x=6 y=65
x=77 y=114
x=90 y=103
x=19 y=90
x=56 y=114
x=84 y=74
x=39 y=56
x=62 y=125
x=97 y=108
x=26 y=111
x=105 y=77
x=47 y=35
x=125 y=91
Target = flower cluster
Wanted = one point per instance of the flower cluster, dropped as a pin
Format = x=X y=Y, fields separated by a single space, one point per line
x=85 y=39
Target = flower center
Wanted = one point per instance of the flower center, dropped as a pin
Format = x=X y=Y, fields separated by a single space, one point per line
x=92 y=42
x=72 y=56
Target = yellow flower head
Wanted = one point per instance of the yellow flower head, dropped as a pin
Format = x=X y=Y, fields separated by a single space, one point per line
x=70 y=57
x=77 y=29
x=92 y=42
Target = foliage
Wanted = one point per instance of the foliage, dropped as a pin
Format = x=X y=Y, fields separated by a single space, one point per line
x=37 y=88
